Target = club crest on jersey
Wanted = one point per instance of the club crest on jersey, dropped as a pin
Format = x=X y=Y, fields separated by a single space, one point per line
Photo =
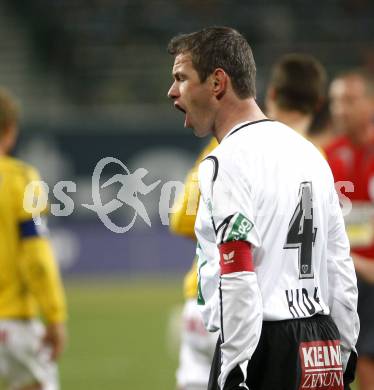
x=321 y=365
x=228 y=257
x=305 y=268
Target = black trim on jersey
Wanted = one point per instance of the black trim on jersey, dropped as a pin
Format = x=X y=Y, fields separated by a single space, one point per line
x=215 y=166
x=214 y=225
x=215 y=174
x=221 y=304
x=226 y=222
x=249 y=124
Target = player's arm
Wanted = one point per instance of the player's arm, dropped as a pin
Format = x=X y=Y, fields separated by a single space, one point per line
x=40 y=272
x=342 y=287
x=239 y=295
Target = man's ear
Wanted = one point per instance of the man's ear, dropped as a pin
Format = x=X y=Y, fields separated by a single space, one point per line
x=220 y=83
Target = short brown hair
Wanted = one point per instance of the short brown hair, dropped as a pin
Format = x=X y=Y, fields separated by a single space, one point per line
x=219 y=47
x=9 y=109
x=299 y=82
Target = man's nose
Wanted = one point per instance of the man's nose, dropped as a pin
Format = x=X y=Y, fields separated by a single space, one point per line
x=173 y=92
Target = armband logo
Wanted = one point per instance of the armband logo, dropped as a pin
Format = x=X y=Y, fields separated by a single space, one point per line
x=235 y=256
x=228 y=257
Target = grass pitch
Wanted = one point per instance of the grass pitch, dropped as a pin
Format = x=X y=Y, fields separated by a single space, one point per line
x=118 y=335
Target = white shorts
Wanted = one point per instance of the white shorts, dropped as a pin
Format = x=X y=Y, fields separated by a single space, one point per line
x=24 y=360
x=196 y=351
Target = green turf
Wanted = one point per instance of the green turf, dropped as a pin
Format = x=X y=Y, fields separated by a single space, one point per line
x=118 y=335
x=117 y=332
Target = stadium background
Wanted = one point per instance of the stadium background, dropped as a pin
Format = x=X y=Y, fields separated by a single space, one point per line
x=92 y=77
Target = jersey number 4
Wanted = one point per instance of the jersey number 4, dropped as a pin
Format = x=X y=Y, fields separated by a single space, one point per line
x=301 y=233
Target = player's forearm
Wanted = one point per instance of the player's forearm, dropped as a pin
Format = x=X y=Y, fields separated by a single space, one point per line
x=42 y=277
x=241 y=322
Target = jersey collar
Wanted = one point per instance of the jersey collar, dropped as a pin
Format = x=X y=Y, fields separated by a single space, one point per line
x=242 y=125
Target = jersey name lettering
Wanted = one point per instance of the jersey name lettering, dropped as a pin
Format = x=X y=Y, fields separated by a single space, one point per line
x=302 y=303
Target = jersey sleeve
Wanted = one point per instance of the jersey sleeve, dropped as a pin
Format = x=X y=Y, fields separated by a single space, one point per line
x=230 y=204
x=342 y=281
x=37 y=262
x=31 y=198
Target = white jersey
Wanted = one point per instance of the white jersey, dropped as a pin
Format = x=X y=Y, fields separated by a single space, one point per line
x=269 y=186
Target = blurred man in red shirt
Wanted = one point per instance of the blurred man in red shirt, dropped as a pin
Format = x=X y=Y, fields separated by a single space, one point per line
x=352 y=109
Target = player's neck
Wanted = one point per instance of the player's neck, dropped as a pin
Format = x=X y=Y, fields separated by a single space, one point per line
x=245 y=110
x=296 y=120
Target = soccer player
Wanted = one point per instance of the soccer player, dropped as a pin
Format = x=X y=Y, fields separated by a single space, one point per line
x=29 y=278
x=296 y=91
x=275 y=275
x=197 y=344
x=352 y=110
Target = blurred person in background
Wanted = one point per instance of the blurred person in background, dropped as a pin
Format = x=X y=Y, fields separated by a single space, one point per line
x=320 y=131
x=197 y=344
x=296 y=91
x=29 y=277
x=296 y=96
x=352 y=110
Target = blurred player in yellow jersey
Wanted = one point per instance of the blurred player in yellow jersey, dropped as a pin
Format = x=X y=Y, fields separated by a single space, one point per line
x=29 y=278
x=197 y=345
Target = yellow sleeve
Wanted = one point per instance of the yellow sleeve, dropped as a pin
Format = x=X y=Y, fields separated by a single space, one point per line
x=30 y=194
x=41 y=274
x=182 y=219
x=37 y=263
x=183 y=215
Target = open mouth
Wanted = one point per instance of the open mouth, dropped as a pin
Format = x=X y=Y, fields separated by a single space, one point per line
x=177 y=106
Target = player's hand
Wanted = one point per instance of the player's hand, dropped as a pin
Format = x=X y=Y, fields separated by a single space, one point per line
x=55 y=338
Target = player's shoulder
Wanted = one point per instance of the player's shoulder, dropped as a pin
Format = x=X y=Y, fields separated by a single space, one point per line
x=18 y=169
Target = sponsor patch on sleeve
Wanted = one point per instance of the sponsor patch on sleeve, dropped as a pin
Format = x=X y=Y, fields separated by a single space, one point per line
x=237 y=229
